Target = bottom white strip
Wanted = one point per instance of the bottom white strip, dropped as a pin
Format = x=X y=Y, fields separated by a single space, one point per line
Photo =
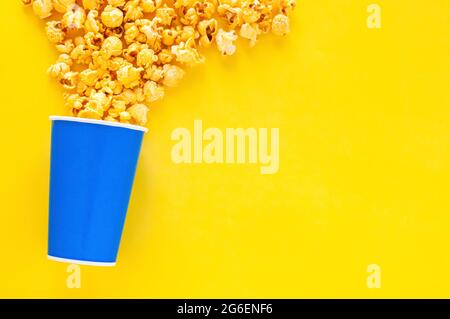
x=81 y=262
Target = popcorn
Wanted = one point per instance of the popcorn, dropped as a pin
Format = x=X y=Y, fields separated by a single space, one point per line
x=131 y=32
x=112 y=46
x=138 y=112
x=153 y=92
x=65 y=47
x=129 y=76
x=65 y=58
x=172 y=75
x=133 y=10
x=54 y=31
x=250 y=31
x=149 y=6
x=90 y=113
x=280 y=24
x=112 y=17
x=165 y=15
x=42 y=8
x=74 y=17
x=69 y=80
x=62 y=5
x=125 y=117
x=58 y=69
x=89 y=77
x=116 y=57
x=186 y=54
x=91 y=24
x=225 y=41
x=116 y=3
x=92 y=4
x=146 y=58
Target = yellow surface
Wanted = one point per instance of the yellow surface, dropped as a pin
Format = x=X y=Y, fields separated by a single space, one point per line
x=364 y=119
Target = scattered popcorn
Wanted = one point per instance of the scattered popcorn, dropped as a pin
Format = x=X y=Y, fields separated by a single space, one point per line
x=172 y=75
x=280 y=24
x=250 y=32
x=42 y=8
x=117 y=56
x=225 y=41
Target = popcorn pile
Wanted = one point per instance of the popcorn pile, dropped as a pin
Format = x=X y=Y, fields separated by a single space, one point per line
x=117 y=56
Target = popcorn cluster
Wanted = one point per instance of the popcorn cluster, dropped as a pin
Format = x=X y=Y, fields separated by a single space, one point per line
x=117 y=56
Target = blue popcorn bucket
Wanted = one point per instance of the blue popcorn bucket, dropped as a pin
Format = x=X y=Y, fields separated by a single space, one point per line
x=92 y=169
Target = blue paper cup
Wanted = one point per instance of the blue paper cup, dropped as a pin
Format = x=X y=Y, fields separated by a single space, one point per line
x=92 y=169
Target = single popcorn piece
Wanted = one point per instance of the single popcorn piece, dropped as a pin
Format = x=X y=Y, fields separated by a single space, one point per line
x=58 y=70
x=165 y=15
x=153 y=92
x=169 y=36
x=128 y=96
x=129 y=76
x=69 y=80
x=186 y=54
x=172 y=75
x=225 y=41
x=89 y=77
x=112 y=17
x=99 y=101
x=146 y=58
x=91 y=24
x=42 y=8
x=62 y=5
x=280 y=24
x=65 y=58
x=65 y=47
x=81 y=55
x=125 y=117
x=131 y=32
x=112 y=46
x=139 y=113
x=74 y=18
x=133 y=11
x=54 y=31
x=250 y=32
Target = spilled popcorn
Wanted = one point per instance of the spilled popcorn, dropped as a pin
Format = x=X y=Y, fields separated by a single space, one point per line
x=117 y=56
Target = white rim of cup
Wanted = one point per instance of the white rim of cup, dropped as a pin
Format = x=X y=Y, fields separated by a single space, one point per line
x=81 y=262
x=99 y=122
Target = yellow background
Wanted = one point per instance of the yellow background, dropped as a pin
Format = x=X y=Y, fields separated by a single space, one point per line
x=364 y=118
